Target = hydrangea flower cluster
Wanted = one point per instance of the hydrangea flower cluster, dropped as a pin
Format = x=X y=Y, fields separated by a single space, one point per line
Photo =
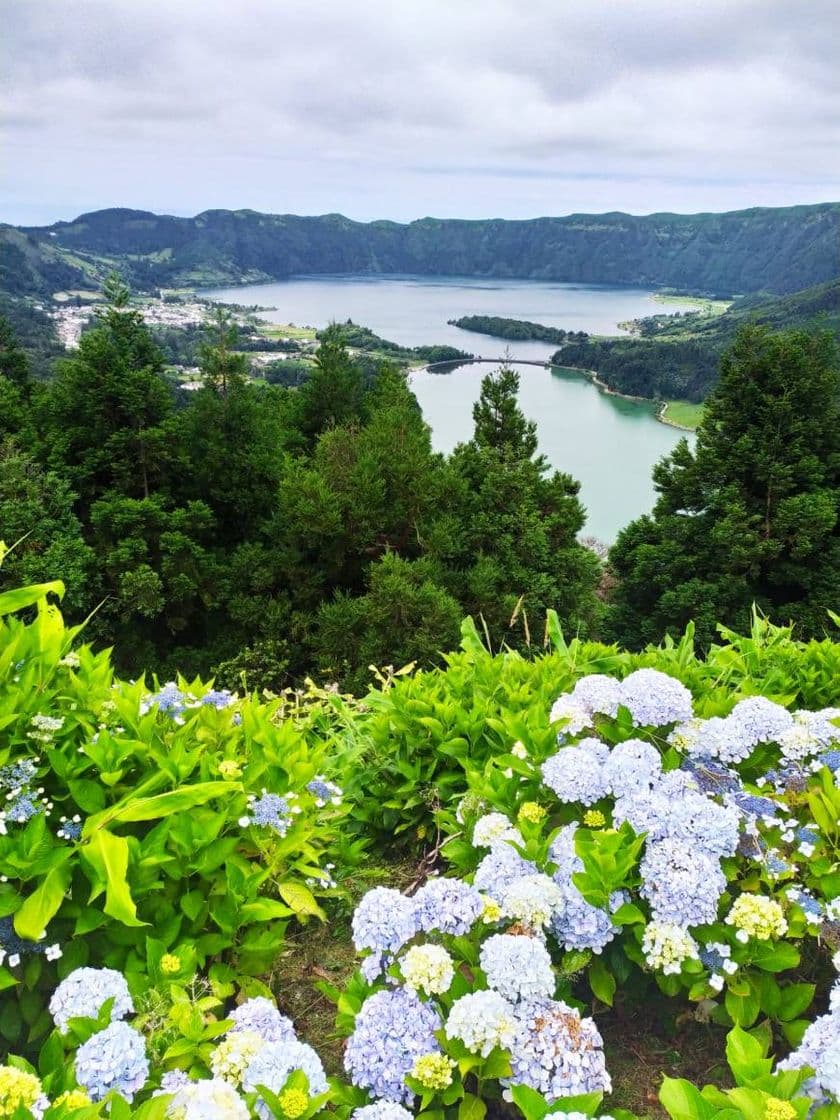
x=483 y=1021
x=324 y=792
x=683 y=886
x=259 y=1016
x=427 y=968
x=577 y=773
x=492 y=828
x=213 y=1099
x=655 y=699
x=448 y=905
x=667 y=946
x=272 y=1066
x=21 y=1089
x=532 y=900
x=819 y=1050
x=392 y=1030
x=22 y=800
x=758 y=917
x=518 y=968
x=112 y=1059
x=83 y=993
x=556 y=1052
x=270 y=811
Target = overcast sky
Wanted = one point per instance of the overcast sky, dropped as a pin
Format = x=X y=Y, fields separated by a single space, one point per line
x=405 y=108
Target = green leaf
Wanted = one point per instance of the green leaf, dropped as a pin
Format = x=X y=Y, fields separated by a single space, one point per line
x=108 y=856
x=21 y=597
x=300 y=898
x=32 y=918
x=162 y=805
x=602 y=981
x=471 y=1108
x=530 y=1103
x=682 y=1101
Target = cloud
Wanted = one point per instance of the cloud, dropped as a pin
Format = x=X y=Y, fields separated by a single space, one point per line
x=396 y=110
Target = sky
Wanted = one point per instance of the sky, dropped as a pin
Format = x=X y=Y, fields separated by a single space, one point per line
x=406 y=108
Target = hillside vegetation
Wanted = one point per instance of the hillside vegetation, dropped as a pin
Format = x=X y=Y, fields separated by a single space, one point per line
x=678 y=355
x=778 y=250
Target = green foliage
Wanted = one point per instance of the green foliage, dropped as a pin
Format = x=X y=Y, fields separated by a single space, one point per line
x=516 y=330
x=750 y=515
x=135 y=844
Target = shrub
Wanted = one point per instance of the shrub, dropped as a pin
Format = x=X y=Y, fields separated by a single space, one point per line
x=426 y=732
x=140 y=826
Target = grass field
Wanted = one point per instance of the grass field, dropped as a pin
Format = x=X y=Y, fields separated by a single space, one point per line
x=286 y=330
x=683 y=414
x=694 y=303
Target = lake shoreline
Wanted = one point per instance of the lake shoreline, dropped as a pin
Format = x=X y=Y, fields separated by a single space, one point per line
x=661 y=408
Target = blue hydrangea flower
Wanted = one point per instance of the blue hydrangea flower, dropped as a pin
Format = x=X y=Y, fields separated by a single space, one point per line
x=218 y=698
x=710 y=774
x=580 y=925
x=384 y=920
x=577 y=774
x=112 y=1059
x=759 y=808
x=690 y=817
x=274 y=1064
x=324 y=792
x=169 y=700
x=562 y=853
x=85 y=990
x=22 y=808
x=598 y=694
x=392 y=1030
x=831 y=759
x=70 y=829
x=682 y=885
x=498 y=869
x=447 y=905
x=518 y=968
x=213 y=1099
x=270 y=810
x=172 y=1081
x=556 y=1052
x=819 y=1050
x=655 y=699
x=632 y=766
x=759 y=720
x=260 y=1016
x=381 y=1110
x=18 y=774
x=724 y=739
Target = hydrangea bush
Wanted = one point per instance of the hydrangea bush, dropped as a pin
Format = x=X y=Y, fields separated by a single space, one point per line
x=426 y=732
x=702 y=851
x=198 y=1063
x=150 y=831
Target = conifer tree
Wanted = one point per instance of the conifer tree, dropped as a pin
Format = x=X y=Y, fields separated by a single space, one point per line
x=750 y=516
x=106 y=411
x=513 y=548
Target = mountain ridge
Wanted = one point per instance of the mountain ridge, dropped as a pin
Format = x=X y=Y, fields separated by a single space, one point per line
x=778 y=250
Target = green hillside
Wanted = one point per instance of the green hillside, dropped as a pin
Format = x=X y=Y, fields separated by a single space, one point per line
x=678 y=356
x=777 y=250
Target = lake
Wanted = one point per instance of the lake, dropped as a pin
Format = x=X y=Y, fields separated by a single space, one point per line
x=608 y=443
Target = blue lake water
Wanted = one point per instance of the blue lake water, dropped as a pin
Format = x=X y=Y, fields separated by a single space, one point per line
x=608 y=443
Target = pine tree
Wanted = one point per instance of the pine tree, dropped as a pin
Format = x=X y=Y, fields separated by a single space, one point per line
x=334 y=393
x=751 y=514
x=512 y=524
x=106 y=411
